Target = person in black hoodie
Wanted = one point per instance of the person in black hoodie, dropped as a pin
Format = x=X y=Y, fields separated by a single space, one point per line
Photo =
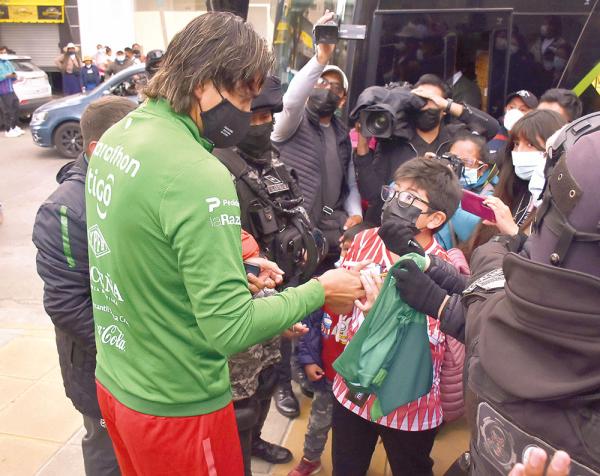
x=60 y=235
x=431 y=130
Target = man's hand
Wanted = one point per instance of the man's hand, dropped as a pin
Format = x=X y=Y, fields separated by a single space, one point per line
x=270 y=275
x=342 y=287
x=439 y=101
x=372 y=283
x=313 y=372
x=504 y=220
x=352 y=221
x=417 y=289
x=362 y=148
x=325 y=51
x=297 y=330
x=536 y=462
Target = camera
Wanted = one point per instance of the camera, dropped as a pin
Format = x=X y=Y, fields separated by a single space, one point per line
x=377 y=120
x=332 y=31
x=454 y=162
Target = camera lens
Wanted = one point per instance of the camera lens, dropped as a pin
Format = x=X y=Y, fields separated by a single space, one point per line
x=378 y=123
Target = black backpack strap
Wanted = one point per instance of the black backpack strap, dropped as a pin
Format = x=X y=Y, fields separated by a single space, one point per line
x=231 y=159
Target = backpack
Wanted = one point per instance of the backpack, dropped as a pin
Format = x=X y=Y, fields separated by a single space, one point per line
x=278 y=221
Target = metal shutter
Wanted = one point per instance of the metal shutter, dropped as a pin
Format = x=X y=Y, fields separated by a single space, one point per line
x=38 y=40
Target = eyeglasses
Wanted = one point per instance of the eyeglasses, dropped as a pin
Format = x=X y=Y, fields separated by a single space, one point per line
x=471 y=163
x=405 y=198
x=335 y=88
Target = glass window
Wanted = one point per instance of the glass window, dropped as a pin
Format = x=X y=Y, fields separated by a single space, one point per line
x=24 y=66
x=442 y=43
x=293 y=39
x=170 y=5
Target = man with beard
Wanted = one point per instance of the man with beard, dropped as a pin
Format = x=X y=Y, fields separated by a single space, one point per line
x=315 y=143
x=431 y=133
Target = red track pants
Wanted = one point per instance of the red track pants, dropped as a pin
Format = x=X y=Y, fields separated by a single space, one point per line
x=147 y=445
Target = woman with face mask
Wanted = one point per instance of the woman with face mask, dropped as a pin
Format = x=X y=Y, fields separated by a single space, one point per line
x=522 y=176
x=480 y=176
x=70 y=64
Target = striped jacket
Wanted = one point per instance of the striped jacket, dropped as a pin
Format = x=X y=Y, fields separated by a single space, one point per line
x=426 y=412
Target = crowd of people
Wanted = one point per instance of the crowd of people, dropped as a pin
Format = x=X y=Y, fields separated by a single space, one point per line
x=84 y=74
x=224 y=237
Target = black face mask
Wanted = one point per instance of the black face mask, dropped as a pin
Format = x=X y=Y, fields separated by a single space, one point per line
x=225 y=125
x=427 y=119
x=399 y=227
x=322 y=102
x=257 y=141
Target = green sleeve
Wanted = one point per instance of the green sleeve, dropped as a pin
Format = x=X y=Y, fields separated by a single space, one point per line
x=200 y=217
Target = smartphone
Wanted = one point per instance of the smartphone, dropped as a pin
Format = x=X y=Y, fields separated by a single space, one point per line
x=251 y=268
x=473 y=203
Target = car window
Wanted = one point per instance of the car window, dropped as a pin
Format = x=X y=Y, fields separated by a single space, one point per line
x=24 y=66
x=131 y=86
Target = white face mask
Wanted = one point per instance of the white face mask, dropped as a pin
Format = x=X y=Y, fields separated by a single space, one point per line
x=120 y=58
x=511 y=117
x=514 y=49
x=537 y=182
x=525 y=163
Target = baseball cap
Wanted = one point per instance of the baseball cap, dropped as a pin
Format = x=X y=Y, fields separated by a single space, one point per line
x=336 y=69
x=530 y=99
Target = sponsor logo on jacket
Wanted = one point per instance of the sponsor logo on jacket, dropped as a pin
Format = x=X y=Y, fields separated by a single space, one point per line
x=102 y=283
x=113 y=336
x=97 y=243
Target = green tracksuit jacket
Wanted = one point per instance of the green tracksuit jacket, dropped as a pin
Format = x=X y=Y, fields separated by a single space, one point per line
x=169 y=289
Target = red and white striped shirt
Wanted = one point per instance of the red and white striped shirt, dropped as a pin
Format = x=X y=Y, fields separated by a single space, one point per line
x=426 y=412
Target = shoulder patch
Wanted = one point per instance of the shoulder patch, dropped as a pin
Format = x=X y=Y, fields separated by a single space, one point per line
x=488 y=282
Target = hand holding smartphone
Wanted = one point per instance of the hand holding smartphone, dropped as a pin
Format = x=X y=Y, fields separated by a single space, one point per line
x=473 y=203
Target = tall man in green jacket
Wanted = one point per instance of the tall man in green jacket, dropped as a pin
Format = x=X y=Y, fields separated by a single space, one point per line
x=170 y=296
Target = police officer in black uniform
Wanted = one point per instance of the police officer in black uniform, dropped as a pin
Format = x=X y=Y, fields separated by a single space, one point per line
x=271 y=211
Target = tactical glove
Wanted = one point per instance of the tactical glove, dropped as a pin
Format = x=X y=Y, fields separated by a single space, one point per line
x=417 y=289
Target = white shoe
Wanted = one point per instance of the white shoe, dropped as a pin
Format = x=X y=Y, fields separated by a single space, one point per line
x=12 y=133
x=19 y=130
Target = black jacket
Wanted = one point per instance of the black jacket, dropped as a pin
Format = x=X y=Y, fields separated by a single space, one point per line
x=377 y=168
x=303 y=152
x=60 y=236
x=533 y=347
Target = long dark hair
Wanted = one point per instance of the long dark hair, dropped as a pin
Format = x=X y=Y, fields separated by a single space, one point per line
x=536 y=128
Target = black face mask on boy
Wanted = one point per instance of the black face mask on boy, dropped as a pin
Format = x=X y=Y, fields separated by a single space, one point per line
x=399 y=227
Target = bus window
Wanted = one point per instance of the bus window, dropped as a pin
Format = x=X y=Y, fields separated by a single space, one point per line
x=293 y=42
x=540 y=48
x=445 y=43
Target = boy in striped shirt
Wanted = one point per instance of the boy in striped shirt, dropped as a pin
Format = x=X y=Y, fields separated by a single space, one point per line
x=425 y=194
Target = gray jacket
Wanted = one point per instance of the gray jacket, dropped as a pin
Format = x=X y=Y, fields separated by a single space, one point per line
x=60 y=236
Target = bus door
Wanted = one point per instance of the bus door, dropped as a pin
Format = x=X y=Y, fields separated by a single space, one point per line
x=456 y=45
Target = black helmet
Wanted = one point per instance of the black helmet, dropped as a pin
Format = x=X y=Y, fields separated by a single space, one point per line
x=270 y=97
x=153 y=59
x=567 y=227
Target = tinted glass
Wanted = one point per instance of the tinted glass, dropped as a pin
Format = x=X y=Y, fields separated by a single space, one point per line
x=416 y=43
x=556 y=7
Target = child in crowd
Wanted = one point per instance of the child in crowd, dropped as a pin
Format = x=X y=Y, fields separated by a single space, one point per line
x=316 y=352
x=425 y=194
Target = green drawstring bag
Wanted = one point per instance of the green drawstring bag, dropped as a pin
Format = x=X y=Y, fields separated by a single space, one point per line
x=389 y=356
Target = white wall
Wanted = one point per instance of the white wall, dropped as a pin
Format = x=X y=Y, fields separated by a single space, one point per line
x=153 y=30
x=108 y=22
